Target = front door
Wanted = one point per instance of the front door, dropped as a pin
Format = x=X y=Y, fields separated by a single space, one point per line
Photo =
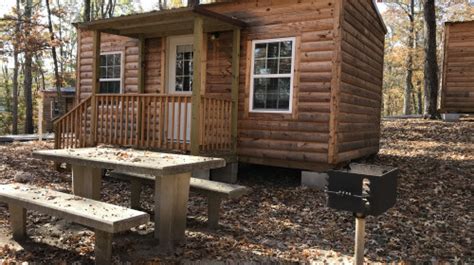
x=180 y=82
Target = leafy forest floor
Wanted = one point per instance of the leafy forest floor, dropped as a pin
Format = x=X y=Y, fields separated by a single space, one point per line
x=281 y=222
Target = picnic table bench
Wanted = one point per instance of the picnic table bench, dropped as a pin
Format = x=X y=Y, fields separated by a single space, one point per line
x=105 y=218
x=172 y=171
x=213 y=190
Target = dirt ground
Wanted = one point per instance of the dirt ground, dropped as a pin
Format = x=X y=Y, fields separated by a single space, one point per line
x=281 y=222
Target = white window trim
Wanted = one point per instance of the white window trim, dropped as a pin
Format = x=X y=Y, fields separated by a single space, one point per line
x=121 y=70
x=291 y=75
x=174 y=41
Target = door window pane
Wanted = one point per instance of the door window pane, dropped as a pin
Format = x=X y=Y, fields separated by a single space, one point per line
x=184 y=68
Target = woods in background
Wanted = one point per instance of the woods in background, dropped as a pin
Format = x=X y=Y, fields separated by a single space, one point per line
x=39 y=45
x=38 y=48
x=406 y=90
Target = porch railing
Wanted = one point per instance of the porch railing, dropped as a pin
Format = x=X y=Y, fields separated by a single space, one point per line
x=148 y=121
x=73 y=129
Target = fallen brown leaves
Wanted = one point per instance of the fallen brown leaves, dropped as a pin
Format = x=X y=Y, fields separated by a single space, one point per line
x=281 y=221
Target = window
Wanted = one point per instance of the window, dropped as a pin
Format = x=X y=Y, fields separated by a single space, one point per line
x=272 y=75
x=181 y=64
x=110 y=73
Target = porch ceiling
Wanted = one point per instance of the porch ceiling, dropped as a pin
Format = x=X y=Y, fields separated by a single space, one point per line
x=164 y=23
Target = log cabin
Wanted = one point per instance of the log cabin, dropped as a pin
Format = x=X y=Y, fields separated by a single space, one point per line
x=457 y=88
x=48 y=108
x=294 y=84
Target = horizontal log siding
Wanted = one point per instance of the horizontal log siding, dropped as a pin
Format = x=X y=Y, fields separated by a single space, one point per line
x=219 y=66
x=358 y=117
x=299 y=139
x=458 y=68
x=153 y=61
x=129 y=48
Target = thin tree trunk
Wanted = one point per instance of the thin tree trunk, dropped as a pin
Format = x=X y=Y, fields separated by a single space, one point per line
x=192 y=3
x=407 y=106
x=58 y=80
x=420 y=99
x=87 y=11
x=15 y=74
x=61 y=47
x=162 y=4
x=431 y=64
x=28 y=78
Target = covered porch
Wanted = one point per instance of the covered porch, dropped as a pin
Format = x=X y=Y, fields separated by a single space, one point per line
x=191 y=122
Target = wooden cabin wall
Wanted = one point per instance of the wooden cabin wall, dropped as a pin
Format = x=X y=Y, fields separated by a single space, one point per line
x=219 y=65
x=300 y=139
x=359 y=96
x=129 y=48
x=458 y=68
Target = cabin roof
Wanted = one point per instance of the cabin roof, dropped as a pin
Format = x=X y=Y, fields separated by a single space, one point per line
x=174 y=22
x=163 y=22
x=458 y=22
x=381 y=21
x=64 y=91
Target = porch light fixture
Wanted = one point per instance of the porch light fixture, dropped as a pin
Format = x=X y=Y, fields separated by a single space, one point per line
x=215 y=35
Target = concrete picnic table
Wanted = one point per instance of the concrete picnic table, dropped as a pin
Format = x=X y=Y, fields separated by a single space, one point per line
x=172 y=171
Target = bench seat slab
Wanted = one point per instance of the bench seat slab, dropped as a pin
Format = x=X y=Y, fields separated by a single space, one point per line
x=99 y=215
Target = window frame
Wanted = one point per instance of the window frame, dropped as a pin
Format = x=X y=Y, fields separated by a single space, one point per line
x=173 y=42
x=113 y=79
x=291 y=75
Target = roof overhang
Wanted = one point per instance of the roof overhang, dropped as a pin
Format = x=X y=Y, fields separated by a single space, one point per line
x=381 y=21
x=164 y=23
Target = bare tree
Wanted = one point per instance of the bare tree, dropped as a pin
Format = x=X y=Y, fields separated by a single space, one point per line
x=15 y=72
x=28 y=77
x=192 y=3
x=87 y=11
x=58 y=80
x=431 y=63
x=409 y=9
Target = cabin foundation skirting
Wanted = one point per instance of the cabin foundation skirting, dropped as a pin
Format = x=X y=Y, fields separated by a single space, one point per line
x=226 y=174
x=450 y=117
x=314 y=179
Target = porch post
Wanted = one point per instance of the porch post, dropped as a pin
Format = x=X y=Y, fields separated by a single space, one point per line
x=141 y=90
x=196 y=96
x=235 y=86
x=95 y=85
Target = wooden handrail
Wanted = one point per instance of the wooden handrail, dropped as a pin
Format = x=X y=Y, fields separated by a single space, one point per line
x=148 y=121
x=70 y=130
x=72 y=110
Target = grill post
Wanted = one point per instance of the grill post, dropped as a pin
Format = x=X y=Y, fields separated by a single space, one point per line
x=359 y=240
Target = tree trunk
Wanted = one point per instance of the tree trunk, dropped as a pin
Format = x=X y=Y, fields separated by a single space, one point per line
x=420 y=99
x=431 y=64
x=192 y=3
x=58 y=80
x=15 y=73
x=87 y=11
x=61 y=47
x=28 y=78
x=407 y=106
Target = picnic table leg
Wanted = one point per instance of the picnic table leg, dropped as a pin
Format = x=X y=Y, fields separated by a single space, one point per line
x=86 y=181
x=18 y=221
x=103 y=247
x=136 y=190
x=213 y=208
x=171 y=201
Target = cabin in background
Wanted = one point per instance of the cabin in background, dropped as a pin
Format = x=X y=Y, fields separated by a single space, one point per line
x=457 y=89
x=285 y=83
x=48 y=111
